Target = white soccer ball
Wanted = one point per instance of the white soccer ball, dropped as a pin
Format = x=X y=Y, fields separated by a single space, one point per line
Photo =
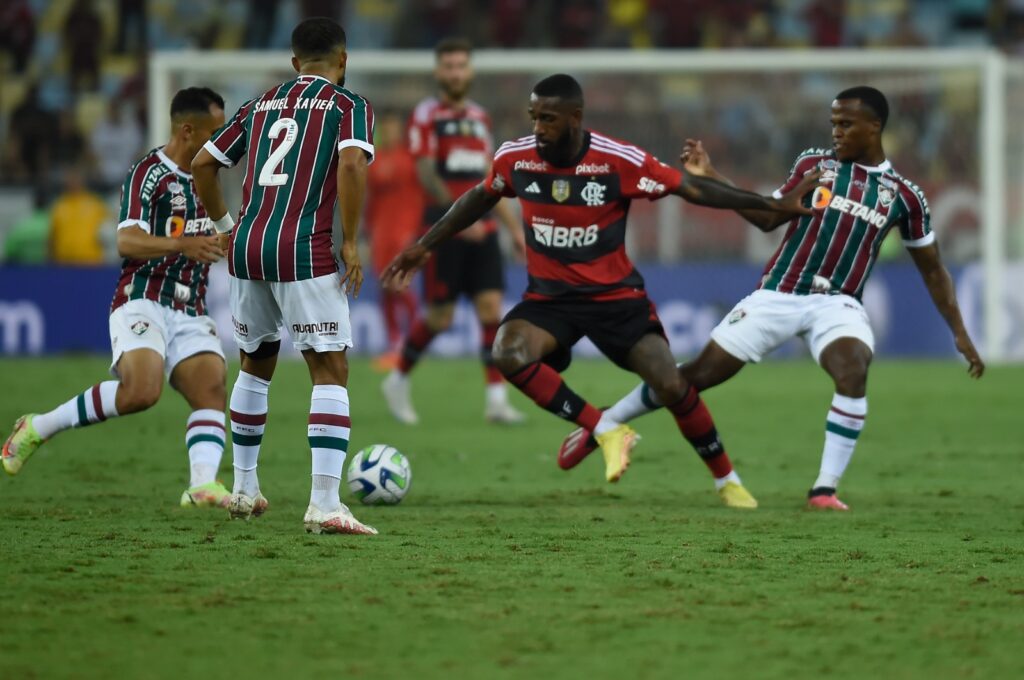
x=379 y=475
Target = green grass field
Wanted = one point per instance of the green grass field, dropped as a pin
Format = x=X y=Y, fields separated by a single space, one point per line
x=498 y=564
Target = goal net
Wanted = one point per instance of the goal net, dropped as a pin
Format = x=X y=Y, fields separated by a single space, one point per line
x=755 y=111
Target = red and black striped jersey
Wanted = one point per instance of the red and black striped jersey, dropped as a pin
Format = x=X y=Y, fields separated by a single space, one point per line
x=458 y=140
x=834 y=250
x=160 y=198
x=575 y=216
x=292 y=134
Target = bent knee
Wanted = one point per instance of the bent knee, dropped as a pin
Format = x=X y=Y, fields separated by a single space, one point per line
x=510 y=354
x=669 y=388
x=135 y=397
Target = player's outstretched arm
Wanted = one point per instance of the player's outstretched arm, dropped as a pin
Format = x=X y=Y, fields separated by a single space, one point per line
x=469 y=208
x=352 y=168
x=696 y=161
x=940 y=287
x=136 y=243
x=712 y=193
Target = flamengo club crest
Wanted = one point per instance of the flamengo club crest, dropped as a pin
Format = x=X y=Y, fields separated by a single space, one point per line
x=593 y=193
x=560 y=190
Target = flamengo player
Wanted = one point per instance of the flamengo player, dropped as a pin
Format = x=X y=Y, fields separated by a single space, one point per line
x=308 y=142
x=575 y=187
x=450 y=137
x=812 y=286
x=158 y=321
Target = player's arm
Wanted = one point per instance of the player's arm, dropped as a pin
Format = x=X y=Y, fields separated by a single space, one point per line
x=696 y=161
x=352 y=170
x=507 y=217
x=940 y=288
x=205 y=169
x=465 y=212
x=430 y=180
x=705 y=190
x=134 y=242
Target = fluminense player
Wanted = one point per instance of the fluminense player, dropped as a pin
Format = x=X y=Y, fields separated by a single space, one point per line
x=158 y=320
x=812 y=286
x=308 y=142
x=450 y=137
x=575 y=187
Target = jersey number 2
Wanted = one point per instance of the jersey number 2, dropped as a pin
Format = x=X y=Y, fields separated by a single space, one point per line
x=269 y=178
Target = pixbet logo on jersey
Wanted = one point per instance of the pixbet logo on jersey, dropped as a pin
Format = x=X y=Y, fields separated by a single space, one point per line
x=553 y=236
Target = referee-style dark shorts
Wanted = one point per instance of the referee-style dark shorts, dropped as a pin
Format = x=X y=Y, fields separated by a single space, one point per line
x=614 y=326
x=463 y=267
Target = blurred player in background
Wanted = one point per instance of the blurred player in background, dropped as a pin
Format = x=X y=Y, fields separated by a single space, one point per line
x=394 y=214
x=575 y=187
x=813 y=284
x=158 y=321
x=450 y=136
x=308 y=141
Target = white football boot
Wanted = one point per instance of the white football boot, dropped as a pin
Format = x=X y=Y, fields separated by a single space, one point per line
x=245 y=507
x=338 y=521
x=396 y=393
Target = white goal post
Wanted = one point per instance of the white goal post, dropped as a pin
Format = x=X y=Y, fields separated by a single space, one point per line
x=990 y=75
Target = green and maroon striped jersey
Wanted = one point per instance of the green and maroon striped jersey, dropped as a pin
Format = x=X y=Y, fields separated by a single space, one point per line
x=833 y=250
x=160 y=198
x=292 y=134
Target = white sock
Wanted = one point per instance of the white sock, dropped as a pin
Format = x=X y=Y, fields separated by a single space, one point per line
x=330 y=428
x=94 y=405
x=842 y=427
x=397 y=376
x=640 y=401
x=731 y=477
x=605 y=424
x=248 y=420
x=204 y=439
x=497 y=393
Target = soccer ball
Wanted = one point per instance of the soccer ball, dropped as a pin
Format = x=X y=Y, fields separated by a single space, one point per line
x=379 y=475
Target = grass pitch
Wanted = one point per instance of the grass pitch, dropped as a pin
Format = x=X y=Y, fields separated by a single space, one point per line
x=500 y=565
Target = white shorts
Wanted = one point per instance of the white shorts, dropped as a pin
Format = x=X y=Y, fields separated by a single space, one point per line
x=767 y=318
x=315 y=312
x=174 y=335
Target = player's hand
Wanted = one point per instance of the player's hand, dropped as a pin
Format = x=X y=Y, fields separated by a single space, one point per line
x=204 y=249
x=399 y=273
x=975 y=366
x=792 y=201
x=352 y=279
x=224 y=240
x=696 y=160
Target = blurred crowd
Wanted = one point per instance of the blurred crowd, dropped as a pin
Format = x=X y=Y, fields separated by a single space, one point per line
x=73 y=81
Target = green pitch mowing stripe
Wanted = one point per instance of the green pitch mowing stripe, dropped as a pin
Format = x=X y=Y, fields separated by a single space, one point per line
x=500 y=565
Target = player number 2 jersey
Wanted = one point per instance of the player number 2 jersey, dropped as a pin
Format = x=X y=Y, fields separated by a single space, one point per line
x=834 y=250
x=160 y=198
x=575 y=216
x=292 y=135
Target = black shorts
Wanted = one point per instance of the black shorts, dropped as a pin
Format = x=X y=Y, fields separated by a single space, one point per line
x=462 y=267
x=614 y=326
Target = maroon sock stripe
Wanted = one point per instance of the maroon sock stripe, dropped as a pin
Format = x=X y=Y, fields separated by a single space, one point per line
x=848 y=415
x=97 y=404
x=205 y=423
x=248 y=418
x=330 y=419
